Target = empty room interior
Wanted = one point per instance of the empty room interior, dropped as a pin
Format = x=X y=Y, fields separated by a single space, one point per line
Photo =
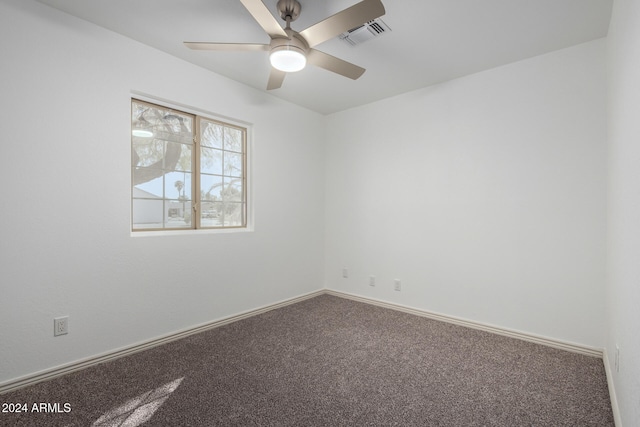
x=482 y=174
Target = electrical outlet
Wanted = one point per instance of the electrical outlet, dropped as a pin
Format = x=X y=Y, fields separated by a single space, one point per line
x=345 y=273
x=60 y=326
x=397 y=285
x=617 y=358
x=372 y=280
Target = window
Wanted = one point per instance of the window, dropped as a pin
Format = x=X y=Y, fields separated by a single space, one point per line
x=187 y=171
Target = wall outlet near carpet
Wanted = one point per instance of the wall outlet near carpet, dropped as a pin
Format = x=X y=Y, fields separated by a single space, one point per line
x=60 y=326
x=372 y=280
x=397 y=285
x=345 y=273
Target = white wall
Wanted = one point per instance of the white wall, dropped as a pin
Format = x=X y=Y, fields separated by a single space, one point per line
x=485 y=195
x=623 y=291
x=66 y=248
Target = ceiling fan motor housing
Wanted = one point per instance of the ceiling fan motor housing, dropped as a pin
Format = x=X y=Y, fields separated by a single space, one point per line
x=293 y=42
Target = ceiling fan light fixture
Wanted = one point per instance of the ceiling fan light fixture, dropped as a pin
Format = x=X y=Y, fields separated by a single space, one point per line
x=288 y=58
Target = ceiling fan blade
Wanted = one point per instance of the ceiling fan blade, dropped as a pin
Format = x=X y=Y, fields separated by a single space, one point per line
x=261 y=14
x=247 y=47
x=351 y=17
x=331 y=63
x=275 y=79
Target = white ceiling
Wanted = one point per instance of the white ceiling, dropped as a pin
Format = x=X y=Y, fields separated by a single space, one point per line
x=431 y=40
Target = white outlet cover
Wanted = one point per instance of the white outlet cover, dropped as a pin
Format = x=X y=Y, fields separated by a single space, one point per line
x=60 y=326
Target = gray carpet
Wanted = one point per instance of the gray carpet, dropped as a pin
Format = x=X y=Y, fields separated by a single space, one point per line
x=329 y=361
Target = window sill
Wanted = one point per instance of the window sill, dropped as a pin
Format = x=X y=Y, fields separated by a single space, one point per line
x=199 y=232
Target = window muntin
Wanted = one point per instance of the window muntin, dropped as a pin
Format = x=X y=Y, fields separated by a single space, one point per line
x=188 y=171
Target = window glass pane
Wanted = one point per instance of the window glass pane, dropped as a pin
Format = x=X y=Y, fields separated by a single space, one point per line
x=211 y=161
x=154 y=121
x=175 y=127
x=183 y=154
x=210 y=214
x=211 y=134
x=232 y=164
x=233 y=214
x=147 y=213
x=232 y=190
x=154 y=153
x=178 y=214
x=232 y=139
x=211 y=187
x=177 y=185
x=148 y=187
x=147 y=152
x=223 y=214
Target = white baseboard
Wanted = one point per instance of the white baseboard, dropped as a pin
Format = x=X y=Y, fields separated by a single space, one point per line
x=562 y=345
x=91 y=361
x=612 y=390
x=125 y=351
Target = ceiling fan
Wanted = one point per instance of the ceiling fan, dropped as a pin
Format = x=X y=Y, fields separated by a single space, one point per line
x=291 y=50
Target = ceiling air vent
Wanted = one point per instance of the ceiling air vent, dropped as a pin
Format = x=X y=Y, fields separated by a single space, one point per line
x=364 y=32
